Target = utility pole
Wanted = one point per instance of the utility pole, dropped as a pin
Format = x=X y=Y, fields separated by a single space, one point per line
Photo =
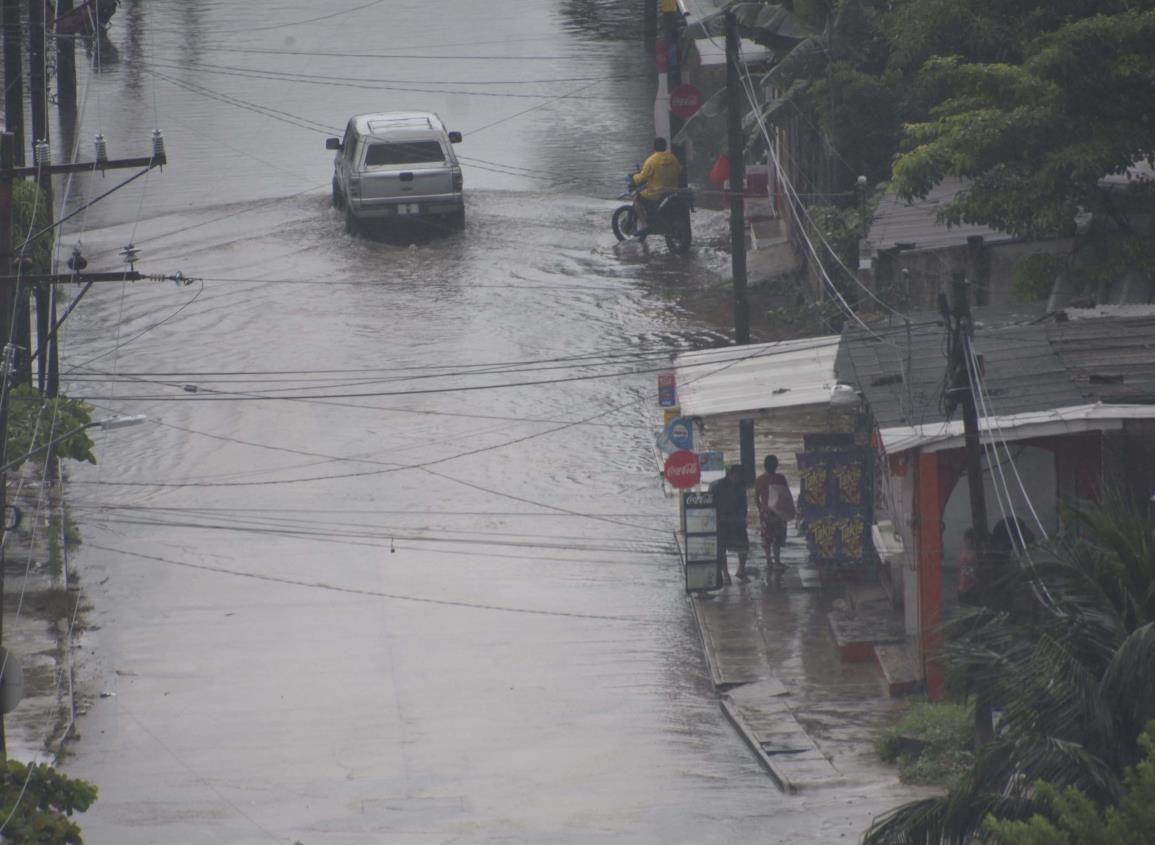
x=65 y=64
x=42 y=144
x=672 y=36
x=963 y=390
x=734 y=99
x=7 y=312
x=649 y=22
x=13 y=75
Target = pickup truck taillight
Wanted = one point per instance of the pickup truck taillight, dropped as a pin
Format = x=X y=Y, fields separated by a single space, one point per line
x=355 y=187
x=458 y=180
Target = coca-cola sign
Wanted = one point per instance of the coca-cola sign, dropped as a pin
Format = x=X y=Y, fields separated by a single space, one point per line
x=683 y=469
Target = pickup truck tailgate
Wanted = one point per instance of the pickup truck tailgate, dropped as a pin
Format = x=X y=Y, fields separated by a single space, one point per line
x=396 y=184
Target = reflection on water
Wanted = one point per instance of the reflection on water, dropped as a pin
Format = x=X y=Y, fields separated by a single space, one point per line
x=604 y=20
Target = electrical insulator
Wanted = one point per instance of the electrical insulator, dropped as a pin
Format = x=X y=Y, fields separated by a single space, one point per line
x=42 y=154
x=101 y=149
x=157 y=144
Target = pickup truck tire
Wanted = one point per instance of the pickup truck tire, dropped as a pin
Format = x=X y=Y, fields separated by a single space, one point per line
x=457 y=220
x=352 y=224
x=338 y=197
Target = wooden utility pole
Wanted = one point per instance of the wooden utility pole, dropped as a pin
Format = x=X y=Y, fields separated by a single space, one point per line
x=735 y=97
x=963 y=390
x=13 y=75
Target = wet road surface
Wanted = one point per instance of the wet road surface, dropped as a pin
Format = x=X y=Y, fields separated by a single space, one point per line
x=390 y=561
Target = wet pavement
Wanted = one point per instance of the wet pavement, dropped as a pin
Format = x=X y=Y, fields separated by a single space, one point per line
x=389 y=562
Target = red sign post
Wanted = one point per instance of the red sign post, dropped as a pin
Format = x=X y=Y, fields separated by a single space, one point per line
x=683 y=469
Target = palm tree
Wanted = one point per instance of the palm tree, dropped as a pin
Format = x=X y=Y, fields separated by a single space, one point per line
x=1069 y=659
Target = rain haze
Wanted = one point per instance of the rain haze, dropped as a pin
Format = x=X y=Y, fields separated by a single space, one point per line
x=391 y=561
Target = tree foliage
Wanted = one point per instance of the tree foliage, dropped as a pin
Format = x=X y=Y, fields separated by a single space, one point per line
x=1035 y=137
x=1074 y=819
x=37 y=803
x=31 y=214
x=1066 y=659
x=33 y=422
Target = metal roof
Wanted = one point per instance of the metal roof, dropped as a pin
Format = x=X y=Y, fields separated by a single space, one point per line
x=1031 y=371
x=913 y=225
x=763 y=376
x=1110 y=359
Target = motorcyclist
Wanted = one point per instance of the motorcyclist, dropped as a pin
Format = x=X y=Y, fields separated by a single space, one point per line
x=660 y=175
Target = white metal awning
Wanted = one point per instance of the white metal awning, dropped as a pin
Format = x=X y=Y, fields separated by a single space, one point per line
x=763 y=376
x=935 y=437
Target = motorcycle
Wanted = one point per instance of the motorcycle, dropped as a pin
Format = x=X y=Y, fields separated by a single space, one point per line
x=672 y=220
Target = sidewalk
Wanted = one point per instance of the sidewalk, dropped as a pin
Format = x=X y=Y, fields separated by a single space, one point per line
x=39 y=612
x=808 y=717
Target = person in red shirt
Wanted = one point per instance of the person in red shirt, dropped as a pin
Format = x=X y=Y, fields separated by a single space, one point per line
x=775 y=510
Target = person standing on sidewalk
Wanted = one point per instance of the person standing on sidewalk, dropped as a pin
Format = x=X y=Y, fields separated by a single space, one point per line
x=775 y=510
x=730 y=498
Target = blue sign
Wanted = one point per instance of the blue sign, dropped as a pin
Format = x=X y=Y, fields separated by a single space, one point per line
x=667 y=397
x=712 y=461
x=680 y=432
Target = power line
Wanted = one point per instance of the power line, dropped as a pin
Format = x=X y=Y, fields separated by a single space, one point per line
x=316 y=585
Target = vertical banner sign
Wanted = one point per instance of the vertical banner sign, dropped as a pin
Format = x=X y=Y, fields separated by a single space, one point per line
x=700 y=532
x=667 y=390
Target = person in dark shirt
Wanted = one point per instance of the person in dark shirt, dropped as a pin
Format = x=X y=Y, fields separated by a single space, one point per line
x=730 y=498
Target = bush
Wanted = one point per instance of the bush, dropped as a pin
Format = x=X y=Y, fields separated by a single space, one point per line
x=933 y=744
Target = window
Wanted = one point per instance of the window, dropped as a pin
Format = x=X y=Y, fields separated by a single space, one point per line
x=412 y=152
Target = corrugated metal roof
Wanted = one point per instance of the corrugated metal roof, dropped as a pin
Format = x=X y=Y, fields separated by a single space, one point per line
x=762 y=376
x=903 y=380
x=1029 y=369
x=913 y=224
x=1110 y=359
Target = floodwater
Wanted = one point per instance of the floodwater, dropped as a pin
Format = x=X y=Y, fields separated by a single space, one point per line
x=389 y=562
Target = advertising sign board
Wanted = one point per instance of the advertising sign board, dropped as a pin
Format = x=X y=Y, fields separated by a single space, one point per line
x=700 y=530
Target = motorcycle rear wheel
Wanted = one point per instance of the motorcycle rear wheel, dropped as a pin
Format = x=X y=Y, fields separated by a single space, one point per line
x=625 y=222
x=679 y=237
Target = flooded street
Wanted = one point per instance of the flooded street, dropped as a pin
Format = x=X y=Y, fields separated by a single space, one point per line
x=390 y=562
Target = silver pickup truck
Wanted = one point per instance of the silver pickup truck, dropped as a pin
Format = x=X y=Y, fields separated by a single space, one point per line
x=397 y=165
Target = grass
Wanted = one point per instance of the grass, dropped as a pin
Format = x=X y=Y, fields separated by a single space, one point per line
x=933 y=744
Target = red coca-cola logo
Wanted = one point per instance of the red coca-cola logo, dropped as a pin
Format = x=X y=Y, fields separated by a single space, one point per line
x=683 y=469
x=685 y=100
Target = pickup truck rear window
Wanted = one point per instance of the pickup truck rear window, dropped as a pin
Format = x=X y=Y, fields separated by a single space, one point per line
x=413 y=152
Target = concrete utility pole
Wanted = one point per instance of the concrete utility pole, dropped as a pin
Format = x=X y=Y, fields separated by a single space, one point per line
x=963 y=389
x=7 y=307
x=672 y=35
x=13 y=75
x=735 y=97
x=649 y=22
x=65 y=64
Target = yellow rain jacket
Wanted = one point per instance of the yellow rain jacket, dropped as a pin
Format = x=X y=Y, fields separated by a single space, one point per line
x=660 y=175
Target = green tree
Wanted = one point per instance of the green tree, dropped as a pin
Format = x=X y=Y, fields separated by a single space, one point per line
x=37 y=802
x=1066 y=661
x=34 y=422
x=1075 y=820
x=1034 y=123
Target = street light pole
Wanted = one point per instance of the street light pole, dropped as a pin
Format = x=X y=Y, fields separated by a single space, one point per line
x=106 y=424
